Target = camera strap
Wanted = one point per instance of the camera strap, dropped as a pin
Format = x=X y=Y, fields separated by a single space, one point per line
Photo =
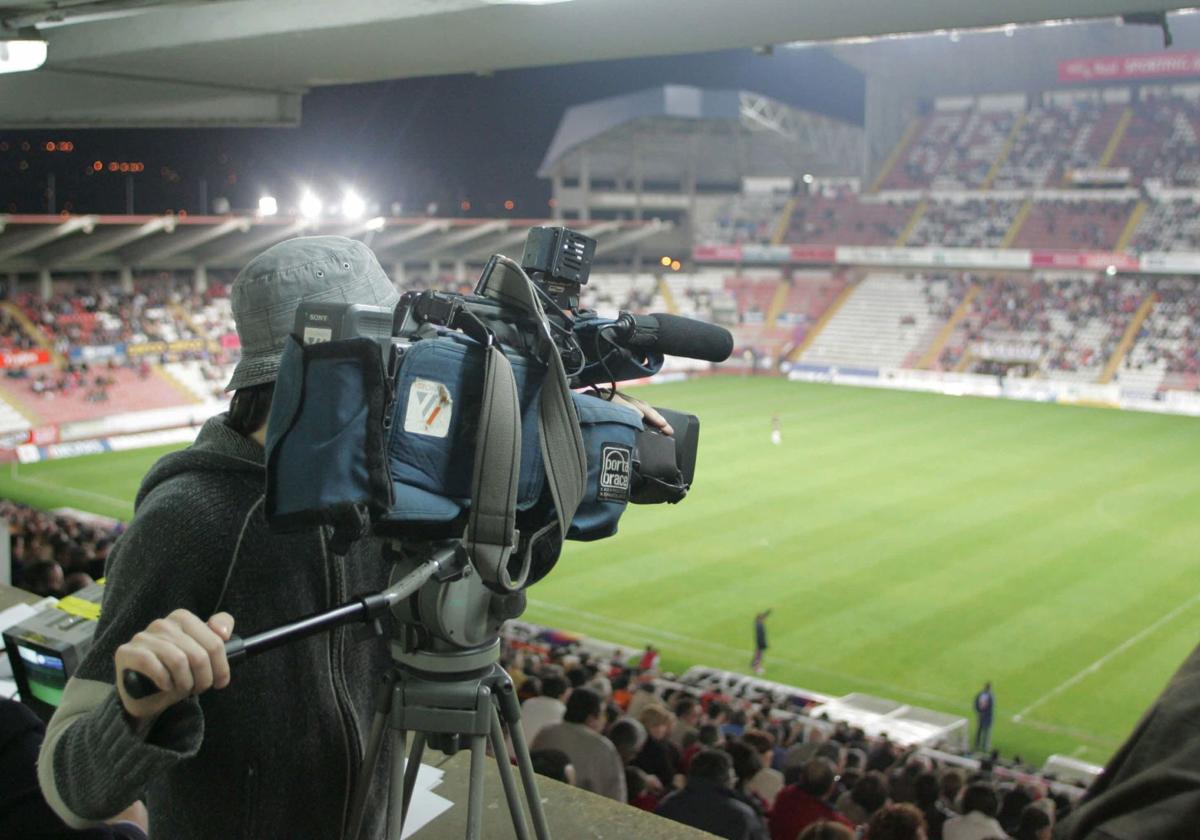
x=491 y=535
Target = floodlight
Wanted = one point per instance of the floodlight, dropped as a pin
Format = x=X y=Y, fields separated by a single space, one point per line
x=353 y=206
x=22 y=52
x=310 y=205
x=268 y=206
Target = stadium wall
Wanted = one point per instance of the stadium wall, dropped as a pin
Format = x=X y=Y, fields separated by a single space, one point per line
x=977 y=385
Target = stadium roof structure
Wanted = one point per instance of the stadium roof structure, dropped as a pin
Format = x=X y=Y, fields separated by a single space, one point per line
x=665 y=133
x=144 y=63
x=81 y=243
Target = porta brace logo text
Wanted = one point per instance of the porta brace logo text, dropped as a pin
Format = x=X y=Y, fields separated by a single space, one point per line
x=614 y=472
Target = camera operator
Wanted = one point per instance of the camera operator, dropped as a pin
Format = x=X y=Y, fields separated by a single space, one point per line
x=277 y=751
x=274 y=752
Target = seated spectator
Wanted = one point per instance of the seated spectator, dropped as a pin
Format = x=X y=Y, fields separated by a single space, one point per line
x=1035 y=824
x=1011 y=806
x=598 y=768
x=658 y=756
x=897 y=821
x=767 y=781
x=553 y=764
x=628 y=736
x=44 y=578
x=978 y=820
x=539 y=712
x=687 y=718
x=746 y=764
x=804 y=803
x=708 y=802
x=23 y=810
x=869 y=794
x=708 y=736
x=932 y=809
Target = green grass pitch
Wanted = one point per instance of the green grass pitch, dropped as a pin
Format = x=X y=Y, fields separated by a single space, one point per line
x=911 y=546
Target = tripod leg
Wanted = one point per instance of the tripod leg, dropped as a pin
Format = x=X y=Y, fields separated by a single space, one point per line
x=396 y=788
x=410 y=771
x=475 y=791
x=506 y=778
x=512 y=716
x=383 y=708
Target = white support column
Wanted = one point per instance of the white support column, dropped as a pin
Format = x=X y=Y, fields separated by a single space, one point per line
x=399 y=277
x=200 y=279
x=556 y=194
x=460 y=271
x=45 y=284
x=585 y=187
x=126 y=275
x=435 y=270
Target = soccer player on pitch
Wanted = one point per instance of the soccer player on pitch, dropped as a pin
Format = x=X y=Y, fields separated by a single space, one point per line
x=760 y=641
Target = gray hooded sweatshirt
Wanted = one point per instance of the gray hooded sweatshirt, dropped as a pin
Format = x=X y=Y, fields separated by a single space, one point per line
x=277 y=752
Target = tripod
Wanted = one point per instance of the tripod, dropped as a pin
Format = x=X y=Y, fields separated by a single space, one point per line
x=441 y=710
x=448 y=690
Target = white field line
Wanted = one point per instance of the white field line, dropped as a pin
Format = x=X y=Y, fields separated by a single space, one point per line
x=1103 y=660
x=741 y=653
x=124 y=504
x=1085 y=735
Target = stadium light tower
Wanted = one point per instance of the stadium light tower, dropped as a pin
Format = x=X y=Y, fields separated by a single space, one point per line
x=353 y=205
x=310 y=205
x=268 y=206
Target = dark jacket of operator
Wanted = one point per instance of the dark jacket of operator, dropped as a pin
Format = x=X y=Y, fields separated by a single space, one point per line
x=277 y=752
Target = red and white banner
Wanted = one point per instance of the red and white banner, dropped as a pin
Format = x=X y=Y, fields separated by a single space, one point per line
x=23 y=358
x=1137 y=66
x=1094 y=260
x=813 y=253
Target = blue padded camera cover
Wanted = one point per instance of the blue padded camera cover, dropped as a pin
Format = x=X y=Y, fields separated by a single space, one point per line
x=325 y=434
x=609 y=431
x=434 y=422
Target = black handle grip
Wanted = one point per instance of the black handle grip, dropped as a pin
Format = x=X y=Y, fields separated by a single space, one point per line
x=138 y=685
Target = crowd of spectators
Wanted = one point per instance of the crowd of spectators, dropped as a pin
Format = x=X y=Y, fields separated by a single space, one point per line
x=1168 y=226
x=740 y=769
x=92 y=315
x=1160 y=141
x=953 y=151
x=55 y=554
x=1055 y=137
x=1051 y=325
x=975 y=223
x=1078 y=225
x=12 y=335
x=1170 y=337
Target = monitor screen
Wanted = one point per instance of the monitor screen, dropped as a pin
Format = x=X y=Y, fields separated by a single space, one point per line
x=45 y=673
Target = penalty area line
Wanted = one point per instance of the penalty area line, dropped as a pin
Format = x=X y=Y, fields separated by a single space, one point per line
x=1103 y=660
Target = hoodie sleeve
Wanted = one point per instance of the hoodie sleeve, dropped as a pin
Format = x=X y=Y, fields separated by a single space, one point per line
x=94 y=762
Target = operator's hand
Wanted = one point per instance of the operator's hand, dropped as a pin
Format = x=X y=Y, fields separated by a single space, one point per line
x=181 y=654
x=646 y=410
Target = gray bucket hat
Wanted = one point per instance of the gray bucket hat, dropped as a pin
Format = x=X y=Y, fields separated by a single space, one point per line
x=266 y=293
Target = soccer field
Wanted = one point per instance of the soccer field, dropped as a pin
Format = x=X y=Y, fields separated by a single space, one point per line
x=911 y=546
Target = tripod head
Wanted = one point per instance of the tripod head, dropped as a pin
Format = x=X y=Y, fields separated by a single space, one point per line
x=451 y=625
